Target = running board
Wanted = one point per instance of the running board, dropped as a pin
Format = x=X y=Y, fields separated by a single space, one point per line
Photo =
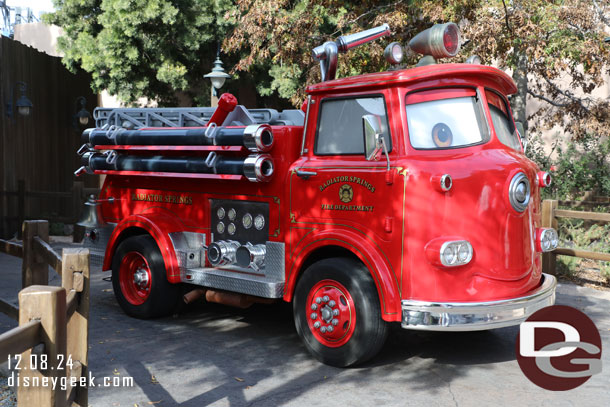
x=235 y=281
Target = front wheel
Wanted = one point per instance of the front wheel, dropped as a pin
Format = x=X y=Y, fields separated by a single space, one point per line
x=337 y=312
x=139 y=279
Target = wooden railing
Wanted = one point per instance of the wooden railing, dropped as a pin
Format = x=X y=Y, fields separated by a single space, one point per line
x=73 y=198
x=53 y=321
x=550 y=214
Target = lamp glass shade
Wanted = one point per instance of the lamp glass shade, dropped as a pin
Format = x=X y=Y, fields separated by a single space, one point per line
x=24 y=110
x=218 y=81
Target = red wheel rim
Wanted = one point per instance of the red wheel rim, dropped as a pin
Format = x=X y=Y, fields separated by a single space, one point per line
x=331 y=314
x=135 y=278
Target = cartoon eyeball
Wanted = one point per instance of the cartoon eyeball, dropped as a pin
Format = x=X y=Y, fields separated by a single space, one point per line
x=441 y=135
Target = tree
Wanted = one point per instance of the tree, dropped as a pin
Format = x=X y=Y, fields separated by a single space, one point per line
x=143 y=48
x=539 y=40
x=154 y=48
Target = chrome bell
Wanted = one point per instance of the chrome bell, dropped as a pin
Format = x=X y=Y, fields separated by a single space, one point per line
x=91 y=216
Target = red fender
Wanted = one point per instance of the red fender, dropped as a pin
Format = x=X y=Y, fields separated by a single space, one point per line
x=158 y=225
x=384 y=277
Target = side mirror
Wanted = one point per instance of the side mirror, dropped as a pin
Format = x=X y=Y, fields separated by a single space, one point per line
x=522 y=135
x=373 y=137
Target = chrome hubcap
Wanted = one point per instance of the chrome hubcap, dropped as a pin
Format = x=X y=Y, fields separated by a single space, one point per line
x=140 y=278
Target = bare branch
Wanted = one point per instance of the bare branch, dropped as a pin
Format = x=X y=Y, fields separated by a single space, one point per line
x=547 y=100
x=371 y=11
x=569 y=95
x=600 y=13
x=506 y=18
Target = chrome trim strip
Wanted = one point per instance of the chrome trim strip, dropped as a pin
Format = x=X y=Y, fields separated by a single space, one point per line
x=475 y=316
x=305 y=126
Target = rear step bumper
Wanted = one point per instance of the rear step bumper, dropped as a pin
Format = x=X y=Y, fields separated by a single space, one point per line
x=476 y=316
x=258 y=286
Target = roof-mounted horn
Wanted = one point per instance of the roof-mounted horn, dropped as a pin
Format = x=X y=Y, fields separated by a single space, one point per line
x=327 y=53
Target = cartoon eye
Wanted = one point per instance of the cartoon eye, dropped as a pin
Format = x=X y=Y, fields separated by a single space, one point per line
x=441 y=135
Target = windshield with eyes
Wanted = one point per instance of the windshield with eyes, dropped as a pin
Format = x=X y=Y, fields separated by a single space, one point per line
x=446 y=123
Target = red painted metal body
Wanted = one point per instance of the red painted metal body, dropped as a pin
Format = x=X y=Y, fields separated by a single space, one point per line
x=391 y=219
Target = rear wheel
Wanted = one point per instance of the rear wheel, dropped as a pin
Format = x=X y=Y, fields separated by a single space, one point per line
x=337 y=313
x=139 y=279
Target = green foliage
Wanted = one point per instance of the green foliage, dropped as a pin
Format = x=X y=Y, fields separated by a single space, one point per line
x=585 y=235
x=568 y=266
x=155 y=48
x=584 y=165
x=604 y=269
x=143 y=48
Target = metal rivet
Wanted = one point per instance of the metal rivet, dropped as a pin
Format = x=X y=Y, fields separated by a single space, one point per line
x=335 y=312
x=316 y=324
x=335 y=322
x=314 y=307
x=323 y=329
x=330 y=328
x=325 y=298
x=332 y=303
x=313 y=315
x=319 y=300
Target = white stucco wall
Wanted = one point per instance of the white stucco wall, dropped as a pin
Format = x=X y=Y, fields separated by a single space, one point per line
x=41 y=36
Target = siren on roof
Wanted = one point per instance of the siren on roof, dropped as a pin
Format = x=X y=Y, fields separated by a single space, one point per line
x=438 y=41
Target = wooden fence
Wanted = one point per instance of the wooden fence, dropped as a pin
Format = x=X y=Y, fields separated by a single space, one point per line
x=39 y=149
x=550 y=214
x=52 y=336
x=72 y=204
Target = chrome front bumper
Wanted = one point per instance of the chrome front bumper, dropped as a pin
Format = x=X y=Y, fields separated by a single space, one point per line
x=476 y=316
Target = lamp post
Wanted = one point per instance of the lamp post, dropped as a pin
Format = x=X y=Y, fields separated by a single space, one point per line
x=218 y=77
x=82 y=115
x=23 y=104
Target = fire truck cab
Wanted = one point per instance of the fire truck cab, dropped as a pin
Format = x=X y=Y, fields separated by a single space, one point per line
x=400 y=196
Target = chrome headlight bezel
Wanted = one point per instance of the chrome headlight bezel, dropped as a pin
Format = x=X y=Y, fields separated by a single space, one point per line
x=514 y=190
x=456 y=249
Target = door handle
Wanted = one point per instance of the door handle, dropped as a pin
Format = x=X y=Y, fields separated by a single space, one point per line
x=306 y=174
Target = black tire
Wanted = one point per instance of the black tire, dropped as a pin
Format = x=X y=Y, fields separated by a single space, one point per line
x=369 y=331
x=157 y=297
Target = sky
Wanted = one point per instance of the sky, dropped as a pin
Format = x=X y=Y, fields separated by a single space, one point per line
x=37 y=6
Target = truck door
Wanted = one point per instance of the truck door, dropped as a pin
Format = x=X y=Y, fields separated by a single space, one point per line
x=333 y=185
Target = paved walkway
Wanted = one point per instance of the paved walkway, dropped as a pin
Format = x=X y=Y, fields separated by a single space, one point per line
x=211 y=355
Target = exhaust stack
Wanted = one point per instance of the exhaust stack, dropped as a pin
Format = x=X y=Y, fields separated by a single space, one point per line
x=327 y=53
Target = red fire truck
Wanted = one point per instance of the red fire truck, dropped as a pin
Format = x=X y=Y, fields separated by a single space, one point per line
x=400 y=196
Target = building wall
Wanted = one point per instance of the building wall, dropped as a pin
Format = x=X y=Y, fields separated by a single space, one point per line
x=41 y=36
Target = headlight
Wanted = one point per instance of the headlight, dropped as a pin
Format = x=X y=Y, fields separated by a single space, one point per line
x=547 y=239
x=220 y=212
x=220 y=228
x=231 y=228
x=519 y=192
x=456 y=253
x=232 y=214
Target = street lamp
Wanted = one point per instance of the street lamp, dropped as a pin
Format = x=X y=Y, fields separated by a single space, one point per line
x=218 y=77
x=82 y=115
x=23 y=104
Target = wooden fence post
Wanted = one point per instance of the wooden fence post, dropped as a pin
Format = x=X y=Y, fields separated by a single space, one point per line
x=33 y=269
x=20 y=206
x=49 y=305
x=75 y=276
x=549 y=221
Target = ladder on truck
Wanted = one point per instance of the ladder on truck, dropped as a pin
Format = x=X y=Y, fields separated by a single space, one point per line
x=135 y=118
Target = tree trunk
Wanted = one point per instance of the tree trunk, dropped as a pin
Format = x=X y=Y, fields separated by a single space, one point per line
x=518 y=101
